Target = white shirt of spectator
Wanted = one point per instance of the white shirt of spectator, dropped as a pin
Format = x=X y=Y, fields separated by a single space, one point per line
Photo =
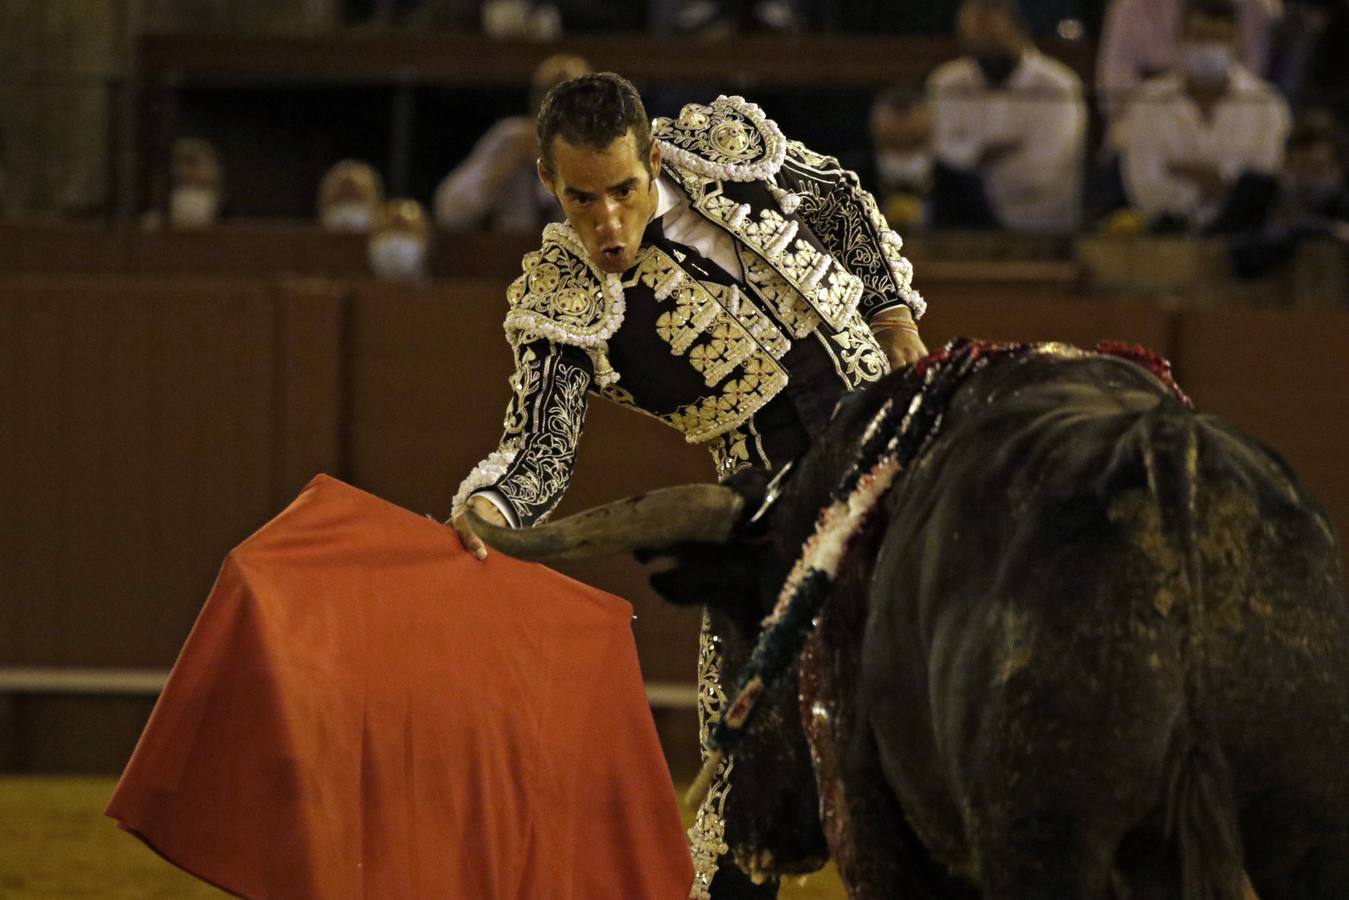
x=1039 y=188
x=1245 y=131
x=1142 y=37
x=464 y=199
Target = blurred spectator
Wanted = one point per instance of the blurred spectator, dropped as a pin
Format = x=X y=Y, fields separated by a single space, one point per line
x=195 y=184
x=1140 y=39
x=400 y=242
x=350 y=196
x=521 y=20
x=1313 y=198
x=497 y=187
x=1009 y=124
x=723 y=18
x=1205 y=142
x=901 y=141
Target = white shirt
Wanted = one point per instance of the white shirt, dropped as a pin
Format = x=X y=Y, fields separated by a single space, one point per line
x=1141 y=37
x=1245 y=131
x=685 y=225
x=1038 y=188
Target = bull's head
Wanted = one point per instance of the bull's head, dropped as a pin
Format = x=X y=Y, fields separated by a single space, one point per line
x=728 y=565
x=735 y=567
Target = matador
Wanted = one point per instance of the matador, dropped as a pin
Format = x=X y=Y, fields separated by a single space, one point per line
x=711 y=273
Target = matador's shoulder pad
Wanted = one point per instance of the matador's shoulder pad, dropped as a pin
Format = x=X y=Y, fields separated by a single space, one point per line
x=561 y=296
x=729 y=139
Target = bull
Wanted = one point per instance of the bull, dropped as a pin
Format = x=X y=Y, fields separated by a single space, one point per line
x=1088 y=644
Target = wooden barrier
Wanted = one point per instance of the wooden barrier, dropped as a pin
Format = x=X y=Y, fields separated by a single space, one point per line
x=64 y=248
x=149 y=424
x=237 y=249
x=1282 y=376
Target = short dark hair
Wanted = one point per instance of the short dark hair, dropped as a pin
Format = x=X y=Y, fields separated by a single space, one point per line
x=1221 y=10
x=593 y=111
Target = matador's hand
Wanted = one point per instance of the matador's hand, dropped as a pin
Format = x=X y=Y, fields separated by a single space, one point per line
x=485 y=509
x=898 y=336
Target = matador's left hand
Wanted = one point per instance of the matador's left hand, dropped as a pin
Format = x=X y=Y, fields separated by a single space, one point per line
x=899 y=338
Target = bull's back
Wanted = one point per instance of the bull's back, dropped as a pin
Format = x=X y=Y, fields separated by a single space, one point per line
x=1077 y=562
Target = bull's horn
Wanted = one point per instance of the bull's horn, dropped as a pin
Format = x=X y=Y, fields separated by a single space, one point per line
x=691 y=512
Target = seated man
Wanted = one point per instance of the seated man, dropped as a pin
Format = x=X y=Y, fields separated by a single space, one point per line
x=712 y=274
x=1141 y=39
x=1312 y=200
x=496 y=187
x=1010 y=124
x=1201 y=139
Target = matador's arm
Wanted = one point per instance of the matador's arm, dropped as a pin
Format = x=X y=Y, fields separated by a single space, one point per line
x=528 y=473
x=848 y=222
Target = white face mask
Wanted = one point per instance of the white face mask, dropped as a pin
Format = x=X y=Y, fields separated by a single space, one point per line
x=906 y=169
x=397 y=256
x=1208 y=62
x=347 y=216
x=192 y=207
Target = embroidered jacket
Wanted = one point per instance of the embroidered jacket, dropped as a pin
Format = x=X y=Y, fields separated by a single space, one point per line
x=701 y=354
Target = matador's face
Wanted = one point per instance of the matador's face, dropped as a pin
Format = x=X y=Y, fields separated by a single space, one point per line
x=608 y=195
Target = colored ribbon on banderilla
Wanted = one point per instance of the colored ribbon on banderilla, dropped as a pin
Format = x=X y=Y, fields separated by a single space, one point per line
x=892 y=439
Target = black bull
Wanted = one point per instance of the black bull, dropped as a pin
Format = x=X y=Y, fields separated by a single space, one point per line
x=1092 y=645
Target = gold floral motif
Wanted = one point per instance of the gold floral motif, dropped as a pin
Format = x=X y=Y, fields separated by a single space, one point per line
x=557 y=286
x=730 y=452
x=706 y=320
x=694 y=116
x=574 y=303
x=544 y=277
x=857 y=356
x=760 y=379
x=786 y=302
x=731 y=140
x=727 y=135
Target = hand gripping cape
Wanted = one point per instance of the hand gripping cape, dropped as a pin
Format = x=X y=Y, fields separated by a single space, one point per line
x=363 y=710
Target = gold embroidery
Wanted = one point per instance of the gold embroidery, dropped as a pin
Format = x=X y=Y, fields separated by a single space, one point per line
x=730 y=139
x=707 y=837
x=785 y=301
x=560 y=288
x=761 y=378
x=707 y=321
x=826 y=286
x=730 y=452
x=858 y=359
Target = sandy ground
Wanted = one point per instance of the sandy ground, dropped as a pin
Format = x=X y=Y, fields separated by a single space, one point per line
x=55 y=843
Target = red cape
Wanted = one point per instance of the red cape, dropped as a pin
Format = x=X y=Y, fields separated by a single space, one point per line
x=363 y=710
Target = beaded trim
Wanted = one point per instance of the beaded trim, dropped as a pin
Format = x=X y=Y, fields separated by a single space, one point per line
x=902 y=270
x=488 y=472
x=526 y=323
x=775 y=145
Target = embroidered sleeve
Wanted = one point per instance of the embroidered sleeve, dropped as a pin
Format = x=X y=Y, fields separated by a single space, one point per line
x=532 y=467
x=847 y=221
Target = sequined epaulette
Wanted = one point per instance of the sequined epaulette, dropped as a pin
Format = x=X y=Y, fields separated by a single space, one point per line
x=562 y=297
x=729 y=140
